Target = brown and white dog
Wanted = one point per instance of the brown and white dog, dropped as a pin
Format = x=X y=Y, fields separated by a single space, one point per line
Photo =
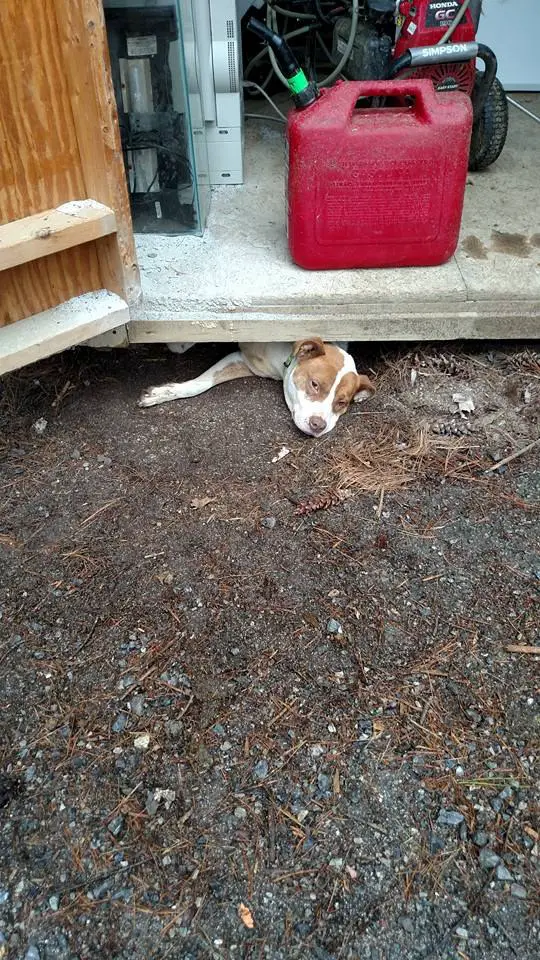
x=320 y=380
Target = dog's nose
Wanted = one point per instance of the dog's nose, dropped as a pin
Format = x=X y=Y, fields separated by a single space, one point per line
x=317 y=424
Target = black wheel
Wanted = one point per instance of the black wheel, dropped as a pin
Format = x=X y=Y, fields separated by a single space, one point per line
x=490 y=130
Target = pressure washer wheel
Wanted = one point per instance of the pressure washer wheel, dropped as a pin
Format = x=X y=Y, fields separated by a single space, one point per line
x=490 y=130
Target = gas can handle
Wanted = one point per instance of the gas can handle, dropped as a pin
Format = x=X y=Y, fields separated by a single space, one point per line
x=423 y=92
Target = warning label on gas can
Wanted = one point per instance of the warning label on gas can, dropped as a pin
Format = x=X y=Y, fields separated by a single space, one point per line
x=441 y=13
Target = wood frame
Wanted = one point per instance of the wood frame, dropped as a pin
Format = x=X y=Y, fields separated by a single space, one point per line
x=59 y=142
x=75 y=321
x=46 y=233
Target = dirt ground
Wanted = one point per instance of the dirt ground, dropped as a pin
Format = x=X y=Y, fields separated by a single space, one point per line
x=234 y=726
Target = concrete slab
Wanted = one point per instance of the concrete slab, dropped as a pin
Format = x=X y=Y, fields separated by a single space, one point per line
x=499 y=252
x=238 y=280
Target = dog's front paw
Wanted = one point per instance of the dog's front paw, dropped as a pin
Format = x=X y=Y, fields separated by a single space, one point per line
x=152 y=396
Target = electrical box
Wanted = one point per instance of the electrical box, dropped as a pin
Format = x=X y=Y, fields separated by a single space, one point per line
x=160 y=111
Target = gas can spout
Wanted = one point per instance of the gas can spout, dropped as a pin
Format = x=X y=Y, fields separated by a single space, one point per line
x=303 y=91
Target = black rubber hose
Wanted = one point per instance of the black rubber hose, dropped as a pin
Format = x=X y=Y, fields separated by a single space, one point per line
x=402 y=63
x=482 y=88
x=303 y=91
x=320 y=14
x=284 y=55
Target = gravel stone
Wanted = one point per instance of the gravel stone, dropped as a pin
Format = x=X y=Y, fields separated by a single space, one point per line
x=503 y=873
x=261 y=769
x=116 y=825
x=142 y=742
x=506 y=794
x=518 y=891
x=40 y=426
x=480 y=838
x=333 y=627
x=152 y=803
x=103 y=888
x=488 y=859
x=323 y=782
x=120 y=723
x=124 y=893
x=32 y=954
x=450 y=818
x=174 y=728
x=436 y=844
x=137 y=704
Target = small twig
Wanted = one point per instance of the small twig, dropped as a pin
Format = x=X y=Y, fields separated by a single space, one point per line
x=10 y=650
x=522 y=648
x=61 y=395
x=381 y=501
x=97 y=512
x=513 y=456
x=294 y=873
x=138 y=682
x=427 y=707
x=123 y=800
x=430 y=733
x=271 y=834
x=99 y=877
x=90 y=635
x=505 y=934
x=375 y=827
x=187 y=706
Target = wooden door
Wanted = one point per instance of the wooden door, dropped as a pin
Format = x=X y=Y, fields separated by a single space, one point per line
x=59 y=143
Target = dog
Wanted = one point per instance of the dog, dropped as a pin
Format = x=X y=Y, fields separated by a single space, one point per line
x=320 y=380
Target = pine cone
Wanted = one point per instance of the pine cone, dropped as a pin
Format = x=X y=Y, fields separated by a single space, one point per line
x=325 y=500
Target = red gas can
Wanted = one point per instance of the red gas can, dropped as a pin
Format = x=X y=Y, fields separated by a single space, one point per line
x=377 y=187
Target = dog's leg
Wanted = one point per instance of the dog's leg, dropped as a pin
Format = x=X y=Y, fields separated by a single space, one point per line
x=180 y=347
x=230 y=368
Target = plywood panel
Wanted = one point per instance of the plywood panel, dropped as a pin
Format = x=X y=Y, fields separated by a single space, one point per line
x=49 y=281
x=59 y=142
x=40 y=166
x=81 y=25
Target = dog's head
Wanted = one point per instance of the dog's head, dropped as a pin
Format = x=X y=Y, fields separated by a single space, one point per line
x=320 y=384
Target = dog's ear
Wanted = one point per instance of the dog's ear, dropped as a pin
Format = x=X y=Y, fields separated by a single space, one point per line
x=308 y=349
x=364 y=388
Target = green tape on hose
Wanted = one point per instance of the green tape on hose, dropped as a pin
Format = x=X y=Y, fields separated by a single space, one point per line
x=298 y=83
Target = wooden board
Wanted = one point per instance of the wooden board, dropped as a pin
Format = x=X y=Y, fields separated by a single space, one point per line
x=403 y=320
x=83 y=34
x=47 y=233
x=59 y=141
x=61 y=327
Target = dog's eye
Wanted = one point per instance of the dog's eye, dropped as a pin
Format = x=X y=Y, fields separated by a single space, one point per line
x=315 y=385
